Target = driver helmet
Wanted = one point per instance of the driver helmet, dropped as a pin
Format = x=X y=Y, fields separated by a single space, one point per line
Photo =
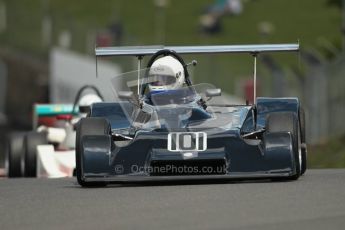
x=86 y=101
x=165 y=74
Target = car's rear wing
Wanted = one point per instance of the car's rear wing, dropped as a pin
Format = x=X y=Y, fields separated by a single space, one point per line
x=141 y=51
x=51 y=111
x=150 y=50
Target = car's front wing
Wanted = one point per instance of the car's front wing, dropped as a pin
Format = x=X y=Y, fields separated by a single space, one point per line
x=228 y=156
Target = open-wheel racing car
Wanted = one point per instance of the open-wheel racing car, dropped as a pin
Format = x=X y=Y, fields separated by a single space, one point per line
x=49 y=149
x=161 y=127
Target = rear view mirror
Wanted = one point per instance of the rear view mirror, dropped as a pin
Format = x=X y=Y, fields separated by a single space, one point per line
x=127 y=95
x=213 y=92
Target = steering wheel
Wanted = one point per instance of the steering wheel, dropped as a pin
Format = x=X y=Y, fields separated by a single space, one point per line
x=166 y=52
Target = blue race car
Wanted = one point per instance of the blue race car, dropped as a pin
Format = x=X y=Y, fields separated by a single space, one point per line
x=161 y=127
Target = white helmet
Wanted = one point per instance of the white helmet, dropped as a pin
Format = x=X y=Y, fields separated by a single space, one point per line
x=87 y=100
x=166 y=73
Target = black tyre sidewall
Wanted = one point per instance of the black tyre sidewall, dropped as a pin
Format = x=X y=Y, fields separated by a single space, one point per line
x=304 y=161
x=303 y=139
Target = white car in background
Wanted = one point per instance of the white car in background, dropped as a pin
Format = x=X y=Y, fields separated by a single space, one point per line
x=49 y=150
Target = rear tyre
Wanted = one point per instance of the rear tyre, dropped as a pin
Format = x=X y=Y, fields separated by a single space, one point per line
x=89 y=126
x=14 y=154
x=288 y=122
x=32 y=140
x=303 y=140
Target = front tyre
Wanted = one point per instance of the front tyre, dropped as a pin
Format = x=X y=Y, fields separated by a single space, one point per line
x=31 y=141
x=288 y=122
x=14 y=154
x=88 y=126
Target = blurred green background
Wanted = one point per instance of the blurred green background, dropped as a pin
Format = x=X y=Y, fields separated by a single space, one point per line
x=314 y=23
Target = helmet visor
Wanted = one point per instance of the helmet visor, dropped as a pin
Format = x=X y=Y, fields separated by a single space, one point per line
x=161 y=80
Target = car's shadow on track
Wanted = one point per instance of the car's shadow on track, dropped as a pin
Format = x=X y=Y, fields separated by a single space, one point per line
x=183 y=183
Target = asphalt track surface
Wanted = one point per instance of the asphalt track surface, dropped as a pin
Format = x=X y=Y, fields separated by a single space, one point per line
x=316 y=201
